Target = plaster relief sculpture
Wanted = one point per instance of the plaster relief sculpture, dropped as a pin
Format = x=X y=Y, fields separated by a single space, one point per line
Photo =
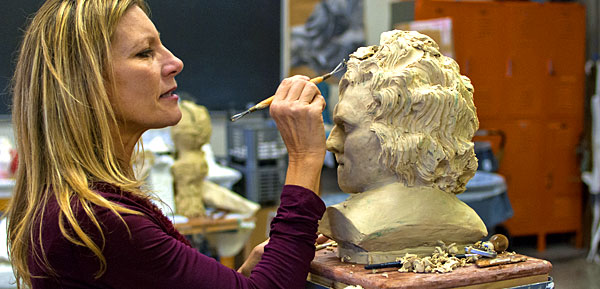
x=193 y=192
x=402 y=138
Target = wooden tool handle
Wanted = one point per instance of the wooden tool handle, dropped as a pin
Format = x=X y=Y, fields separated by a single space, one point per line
x=501 y=260
x=318 y=79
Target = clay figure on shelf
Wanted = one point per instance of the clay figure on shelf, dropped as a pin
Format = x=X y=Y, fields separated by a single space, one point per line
x=193 y=192
x=402 y=139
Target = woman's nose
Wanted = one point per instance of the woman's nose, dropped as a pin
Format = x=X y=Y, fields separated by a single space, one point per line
x=335 y=141
x=173 y=65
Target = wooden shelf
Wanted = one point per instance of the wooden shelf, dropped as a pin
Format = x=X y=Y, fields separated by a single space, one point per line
x=207 y=225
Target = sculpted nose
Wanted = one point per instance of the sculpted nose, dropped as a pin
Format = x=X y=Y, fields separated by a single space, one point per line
x=335 y=141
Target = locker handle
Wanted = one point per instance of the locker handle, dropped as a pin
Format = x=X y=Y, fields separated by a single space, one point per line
x=550 y=67
x=549 y=181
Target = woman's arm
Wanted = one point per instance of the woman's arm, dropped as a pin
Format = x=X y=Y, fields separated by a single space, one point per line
x=297 y=110
x=153 y=259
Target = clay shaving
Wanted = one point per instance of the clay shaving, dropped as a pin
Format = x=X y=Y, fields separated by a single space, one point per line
x=440 y=261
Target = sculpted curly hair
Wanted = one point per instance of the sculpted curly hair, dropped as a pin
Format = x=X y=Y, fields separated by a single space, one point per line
x=422 y=110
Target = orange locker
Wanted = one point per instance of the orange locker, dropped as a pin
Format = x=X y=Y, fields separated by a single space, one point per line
x=526 y=62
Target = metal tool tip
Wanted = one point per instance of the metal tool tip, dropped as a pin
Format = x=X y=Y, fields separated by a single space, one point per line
x=339 y=67
x=239 y=115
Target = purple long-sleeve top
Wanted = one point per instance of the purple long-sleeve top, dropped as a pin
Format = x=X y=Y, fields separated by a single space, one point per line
x=156 y=256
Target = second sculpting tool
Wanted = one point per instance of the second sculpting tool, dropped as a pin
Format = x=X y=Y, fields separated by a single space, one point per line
x=384 y=265
x=265 y=103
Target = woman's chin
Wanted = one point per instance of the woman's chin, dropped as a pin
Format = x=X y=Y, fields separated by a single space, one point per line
x=173 y=119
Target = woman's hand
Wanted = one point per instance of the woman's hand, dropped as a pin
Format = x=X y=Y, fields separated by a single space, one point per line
x=253 y=259
x=297 y=110
x=322 y=239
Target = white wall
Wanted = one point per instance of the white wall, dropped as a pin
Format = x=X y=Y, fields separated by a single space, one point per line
x=6 y=129
x=592 y=14
x=377 y=19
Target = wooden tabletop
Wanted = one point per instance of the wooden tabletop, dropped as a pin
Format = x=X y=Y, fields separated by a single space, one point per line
x=326 y=269
x=205 y=225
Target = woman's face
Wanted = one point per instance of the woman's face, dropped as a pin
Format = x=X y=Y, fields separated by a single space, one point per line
x=144 y=73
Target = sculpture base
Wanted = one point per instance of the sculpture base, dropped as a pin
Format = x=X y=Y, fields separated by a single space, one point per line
x=327 y=270
x=353 y=254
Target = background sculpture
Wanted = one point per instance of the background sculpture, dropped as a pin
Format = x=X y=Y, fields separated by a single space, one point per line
x=190 y=167
x=193 y=192
x=402 y=138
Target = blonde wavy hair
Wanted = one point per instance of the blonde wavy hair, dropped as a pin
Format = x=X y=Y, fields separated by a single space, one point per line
x=422 y=110
x=63 y=120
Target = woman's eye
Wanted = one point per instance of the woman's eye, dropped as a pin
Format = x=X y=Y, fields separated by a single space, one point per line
x=145 y=53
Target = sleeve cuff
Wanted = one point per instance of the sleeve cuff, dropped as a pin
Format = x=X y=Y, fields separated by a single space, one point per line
x=305 y=200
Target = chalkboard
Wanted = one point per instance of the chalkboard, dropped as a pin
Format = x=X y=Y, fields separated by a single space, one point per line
x=13 y=17
x=230 y=49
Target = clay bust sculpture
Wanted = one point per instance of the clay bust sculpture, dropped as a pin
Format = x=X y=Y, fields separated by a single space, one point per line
x=402 y=138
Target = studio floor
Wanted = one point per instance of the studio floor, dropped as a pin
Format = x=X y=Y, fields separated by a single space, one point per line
x=570 y=269
x=569 y=266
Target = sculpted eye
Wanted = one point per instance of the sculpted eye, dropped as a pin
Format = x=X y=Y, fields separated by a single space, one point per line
x=347 y=127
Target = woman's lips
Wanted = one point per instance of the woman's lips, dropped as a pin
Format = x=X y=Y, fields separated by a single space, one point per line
x=169 y=95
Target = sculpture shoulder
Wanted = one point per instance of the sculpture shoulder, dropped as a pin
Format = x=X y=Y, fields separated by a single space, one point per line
x=397 y=209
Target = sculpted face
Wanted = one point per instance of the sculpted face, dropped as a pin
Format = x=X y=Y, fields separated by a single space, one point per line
x=355 y=145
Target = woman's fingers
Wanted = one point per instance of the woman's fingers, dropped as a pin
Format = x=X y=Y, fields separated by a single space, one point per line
x=322 y=239
x=298 y=114
x=296 y=90
x=253 y=259
x=283 y=91
x=309 y=92
x=319 y=101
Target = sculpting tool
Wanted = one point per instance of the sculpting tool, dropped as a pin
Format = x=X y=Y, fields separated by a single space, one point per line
x=265 y=103
x=384 y=265
x=497 y=244
x=481 y=252
x=501 y=260
x=465 y=255
x=325 y=245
